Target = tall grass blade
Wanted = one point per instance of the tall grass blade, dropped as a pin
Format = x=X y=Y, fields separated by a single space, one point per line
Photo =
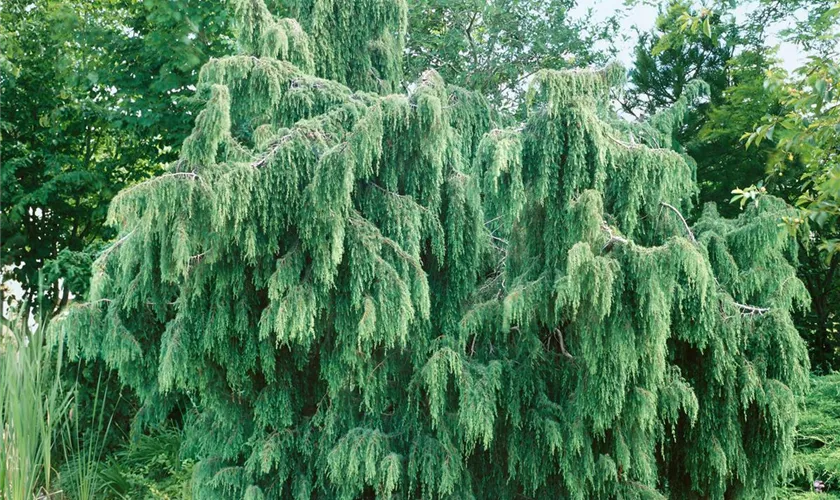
x=32 y=405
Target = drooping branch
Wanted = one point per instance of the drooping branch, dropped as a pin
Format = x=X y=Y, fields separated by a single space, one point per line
x=687 y=228
x=271 y=152
x=357 y=219
x=154 y=180
x=93 y=303
x=751 y=310
x=116 y=244
x=402 y=197
x=746 y=310
x=563 y=350
x=628 y=145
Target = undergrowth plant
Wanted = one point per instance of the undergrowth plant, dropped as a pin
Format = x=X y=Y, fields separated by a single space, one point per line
x=817 y=455
x=33 y=405
x=83 y=448
x=150 y=465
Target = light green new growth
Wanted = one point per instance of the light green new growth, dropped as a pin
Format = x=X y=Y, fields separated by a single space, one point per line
x=359 y=293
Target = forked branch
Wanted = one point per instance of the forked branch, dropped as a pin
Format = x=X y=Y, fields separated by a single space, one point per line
x=614 y=238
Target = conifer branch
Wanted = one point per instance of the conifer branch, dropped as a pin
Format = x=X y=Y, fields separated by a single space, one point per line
x=687 y=228
x=153 y=180
x=751 y=310
x=271 y=152
x=198 y=257
x=93 y=303
x=116 y=244
x=494 y=219
x=358 y=219
x=459 y=175
x=402 y=197
x=500 y=240
x=491 y=281
x=563 y=350
x=627 y=145
x=614 y=238
x=746 y=310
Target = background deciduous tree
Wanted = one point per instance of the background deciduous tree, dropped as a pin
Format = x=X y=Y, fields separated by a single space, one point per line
x=493 y=47
x=95 y=97
x=747 y=90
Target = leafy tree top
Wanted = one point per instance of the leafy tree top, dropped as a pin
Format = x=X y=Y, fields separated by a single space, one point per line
x=494 y=47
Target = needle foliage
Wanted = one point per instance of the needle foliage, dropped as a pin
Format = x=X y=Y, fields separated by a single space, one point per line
x=363 y=293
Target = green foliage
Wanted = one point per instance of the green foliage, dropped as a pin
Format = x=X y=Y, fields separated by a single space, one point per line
x=670 y=57
x=802 y=137
x=732 y=61
x=83 y=448
x=33 y=406
x=817 y=455
x=749 y=92
x=359 y=43
x=360 y=294
x=723 y=163
x=807 y=132
x=570 y=276
x=94 y=99
x=494 y=47
x=149 y=466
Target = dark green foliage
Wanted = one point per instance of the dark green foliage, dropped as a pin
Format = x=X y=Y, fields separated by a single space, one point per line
x=93 y=99
x=805 y=136
x=817 y=455
x=722 y=162
x=733 y=62
x=360 y=294
x=666 y=61
x=149 y=465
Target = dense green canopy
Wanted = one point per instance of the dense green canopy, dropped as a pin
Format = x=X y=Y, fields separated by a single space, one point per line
x=356 y=292
x=95 y=97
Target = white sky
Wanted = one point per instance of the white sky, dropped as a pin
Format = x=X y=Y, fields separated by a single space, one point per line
x=643 y=17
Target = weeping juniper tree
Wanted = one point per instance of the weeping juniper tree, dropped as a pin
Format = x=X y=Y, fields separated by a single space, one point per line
x=363 y=293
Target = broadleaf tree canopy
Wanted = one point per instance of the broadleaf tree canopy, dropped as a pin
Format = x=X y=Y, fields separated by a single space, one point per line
x=94 y=96
x=360 y=293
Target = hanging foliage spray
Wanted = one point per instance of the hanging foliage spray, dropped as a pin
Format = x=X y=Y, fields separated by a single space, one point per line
x=359 y=292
